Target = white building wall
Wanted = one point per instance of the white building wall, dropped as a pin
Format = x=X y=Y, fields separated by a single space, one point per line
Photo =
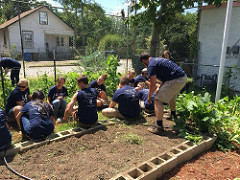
x=210 y=39
x=4 y=48
x=54 y=27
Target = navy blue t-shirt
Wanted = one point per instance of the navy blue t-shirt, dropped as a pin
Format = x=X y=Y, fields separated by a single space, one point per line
x=128 y=101
x=10 y=63
x=54 y=92
x=93 y=84
x=87 y=105
x=164 y=69
x=5 y=135
x=138 y=79
x=144 y=96
x=17 y=95
x=40 y=122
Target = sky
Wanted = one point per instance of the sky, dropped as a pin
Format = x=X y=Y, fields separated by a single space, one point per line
x=110 y=6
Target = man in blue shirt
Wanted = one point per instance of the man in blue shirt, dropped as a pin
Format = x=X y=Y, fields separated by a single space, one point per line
x=17 y=98
x=128 y=102
x=87 y=104
x=14 y=65
x=142 y=78
x=173 y=80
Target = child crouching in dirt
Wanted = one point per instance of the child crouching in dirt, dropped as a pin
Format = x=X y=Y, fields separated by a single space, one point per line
x=36 y=118
x=87 y=104
x=143 y=98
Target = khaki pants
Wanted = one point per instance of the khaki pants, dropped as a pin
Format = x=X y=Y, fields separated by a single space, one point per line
x=170 y=89
x=112 y=113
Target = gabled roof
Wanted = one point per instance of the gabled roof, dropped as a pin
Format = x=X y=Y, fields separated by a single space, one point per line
x=24 y=14
x=237 y=3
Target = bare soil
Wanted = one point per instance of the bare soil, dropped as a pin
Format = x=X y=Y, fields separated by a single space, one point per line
x=100 y=155
x=212 y=165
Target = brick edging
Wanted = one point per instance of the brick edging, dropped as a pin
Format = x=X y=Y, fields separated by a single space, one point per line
x=159 y=165
x=59 y=136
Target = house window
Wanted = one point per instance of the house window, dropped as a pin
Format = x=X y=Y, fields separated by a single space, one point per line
x=27 y=39
x=43 y=18
x=60 y=41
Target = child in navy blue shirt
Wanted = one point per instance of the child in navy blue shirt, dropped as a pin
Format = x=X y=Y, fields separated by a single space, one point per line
x=56 y=96
x=14 y=65
x=131 y=75
x=5 y=135
x=143 y=95
x=142 y=78
x=17 y=98
x=87 y=104
x=37 y=117
x=128 y=102
x=100 y=87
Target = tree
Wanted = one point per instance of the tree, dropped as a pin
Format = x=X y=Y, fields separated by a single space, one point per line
x=180 y=35
x=161 y=12
x=9 y=9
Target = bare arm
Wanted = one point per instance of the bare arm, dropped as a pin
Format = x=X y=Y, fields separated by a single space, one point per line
x=69 y=108
x=18 y=117
x=48 y=100
x=53 y=120
x=112 y=104
x=147 y=83
x=152 y=87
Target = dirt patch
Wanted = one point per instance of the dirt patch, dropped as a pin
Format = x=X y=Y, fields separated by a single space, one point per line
x=101 y=155
x=212 y=165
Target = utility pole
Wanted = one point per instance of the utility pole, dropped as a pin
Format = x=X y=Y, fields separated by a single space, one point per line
x=224 y=47
x=127 y=41
x=21 y=39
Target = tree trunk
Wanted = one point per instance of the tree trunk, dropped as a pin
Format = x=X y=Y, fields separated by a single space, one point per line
x=157 y=26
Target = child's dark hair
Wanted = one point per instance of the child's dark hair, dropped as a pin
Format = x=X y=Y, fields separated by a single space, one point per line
x=82 y=78
x=38 y=99
x=144 y=56
x=61 y=77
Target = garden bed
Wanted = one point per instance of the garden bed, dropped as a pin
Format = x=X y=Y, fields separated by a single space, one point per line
x=94 y=156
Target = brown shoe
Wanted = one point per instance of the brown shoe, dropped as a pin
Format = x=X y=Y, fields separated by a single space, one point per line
x=156 y=130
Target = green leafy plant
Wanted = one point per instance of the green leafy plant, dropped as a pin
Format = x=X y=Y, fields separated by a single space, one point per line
x=198 y=115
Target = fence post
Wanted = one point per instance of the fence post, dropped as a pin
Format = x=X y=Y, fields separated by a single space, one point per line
x=54 y=62
x=20 y=29
x=2 y=83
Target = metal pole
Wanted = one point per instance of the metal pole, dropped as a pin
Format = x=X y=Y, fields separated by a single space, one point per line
x=54 y=62
x=20 y=29
x=83 y=40
x=127 y=42
x=2 y=78
x=224 y=48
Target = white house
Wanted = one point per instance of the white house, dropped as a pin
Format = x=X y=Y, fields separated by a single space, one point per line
x=42 y=31
x=210 y=37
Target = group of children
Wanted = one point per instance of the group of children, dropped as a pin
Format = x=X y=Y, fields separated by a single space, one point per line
x=36 y=118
